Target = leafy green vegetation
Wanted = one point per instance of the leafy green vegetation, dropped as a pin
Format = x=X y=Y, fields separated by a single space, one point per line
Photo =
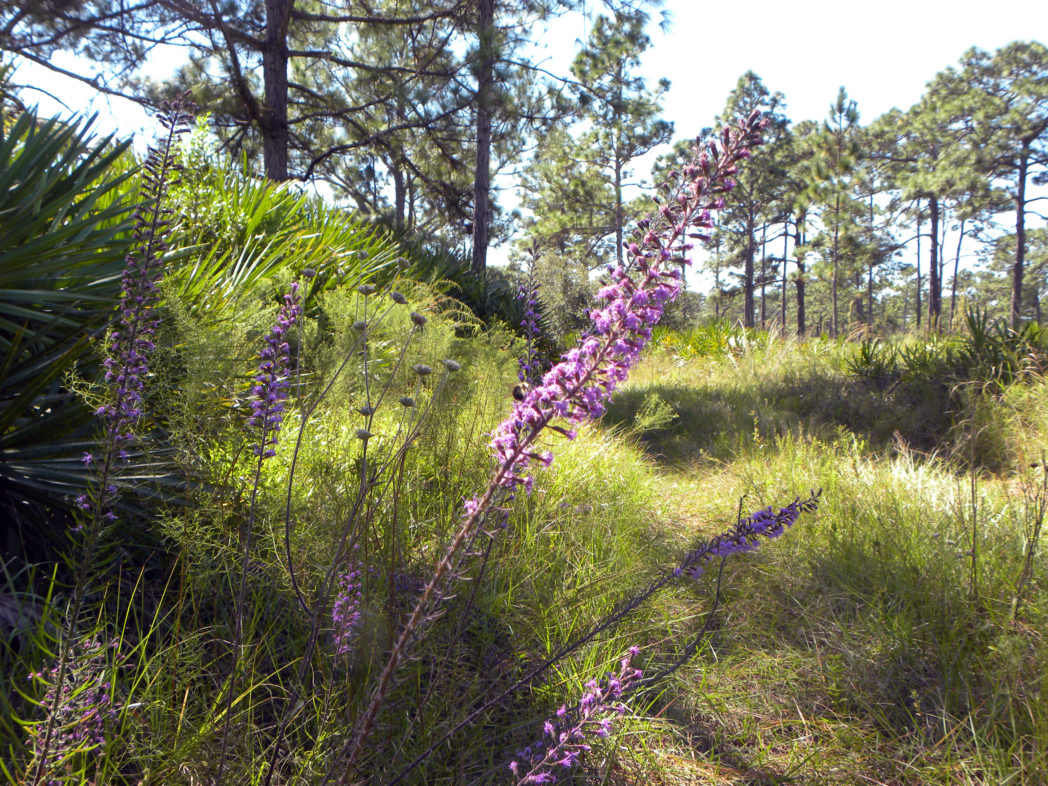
x=292 y=500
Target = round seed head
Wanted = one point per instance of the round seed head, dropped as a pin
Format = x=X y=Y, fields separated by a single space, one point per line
x=407 y=401
x=418 y=319
x=360 y=324
x=366 y=410
x=398 y=298
x=422 y=369
x=367 y=289
x=451 y=365
x=363 y=434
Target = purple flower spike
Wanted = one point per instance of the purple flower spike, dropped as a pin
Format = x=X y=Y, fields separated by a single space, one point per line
x=81 y=707
x=566 y=733
x=578 y=387
x=271 y=384
x=346 y=613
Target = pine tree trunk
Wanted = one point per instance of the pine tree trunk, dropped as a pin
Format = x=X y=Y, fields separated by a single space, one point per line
x=918 y=309
x=400 y=196
x=618 y=210
x=934 y=285
x=956 y=270
x=836 y=235
x=716 y=279
x=785 y=249
x=1020 y=238
x=274 y=125
x=747 y=284
x=764 y=272
x=869 y=279
x=485 y=100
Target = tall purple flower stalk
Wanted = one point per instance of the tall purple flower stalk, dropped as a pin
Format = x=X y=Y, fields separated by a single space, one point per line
x=131 y=342
x=80 y=708
x=126 y=366
x=268 y=394
x=566 y=734
x=577 y=387
x=528 y=295
x=271 y=383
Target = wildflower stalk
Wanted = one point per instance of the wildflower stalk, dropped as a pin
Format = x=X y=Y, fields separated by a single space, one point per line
x=369 y=488
x=267 y=412
x=126 y=367
x=576 y=387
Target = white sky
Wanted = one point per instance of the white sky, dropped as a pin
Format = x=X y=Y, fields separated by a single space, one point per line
x=882 y=53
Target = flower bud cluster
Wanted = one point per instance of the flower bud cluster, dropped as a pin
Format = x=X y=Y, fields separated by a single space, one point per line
x=566 y=733
x=271 y=383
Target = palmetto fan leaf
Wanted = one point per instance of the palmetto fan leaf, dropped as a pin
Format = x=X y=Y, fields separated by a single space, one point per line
x=64 y=232
x=251 y=230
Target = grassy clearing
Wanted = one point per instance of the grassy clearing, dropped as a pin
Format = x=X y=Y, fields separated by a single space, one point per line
x=870 y=645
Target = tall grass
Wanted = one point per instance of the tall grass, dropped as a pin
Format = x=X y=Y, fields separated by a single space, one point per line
x=861 y=647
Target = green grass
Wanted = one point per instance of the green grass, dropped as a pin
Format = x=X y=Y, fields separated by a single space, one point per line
x=857 y=647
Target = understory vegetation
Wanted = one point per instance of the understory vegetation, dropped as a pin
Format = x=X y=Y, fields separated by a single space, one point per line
x=256 y=533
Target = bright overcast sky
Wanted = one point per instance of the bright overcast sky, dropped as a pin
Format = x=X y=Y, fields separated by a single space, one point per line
x=883 y=53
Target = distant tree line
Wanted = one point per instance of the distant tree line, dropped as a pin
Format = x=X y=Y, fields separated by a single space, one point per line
x=407 y=110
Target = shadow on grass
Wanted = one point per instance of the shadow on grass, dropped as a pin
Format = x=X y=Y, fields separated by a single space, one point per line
x=714 y=420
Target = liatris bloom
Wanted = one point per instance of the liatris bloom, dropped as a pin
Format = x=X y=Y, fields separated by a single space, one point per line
x=577 y=387
x=745 y=535
x=566 y=733
x=346 y=613
x=131 y=343
x=271 y=383
x=81 y=714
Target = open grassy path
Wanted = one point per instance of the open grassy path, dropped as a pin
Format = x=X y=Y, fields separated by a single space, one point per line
x=868 y=645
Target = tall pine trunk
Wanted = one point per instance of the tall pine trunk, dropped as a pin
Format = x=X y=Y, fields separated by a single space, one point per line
x=934 y=285
x=1020 y=238
x=801 y=327
x=747 y=283
x=485 y=100
x=764 y=272
x=918 y=299
x=836 y=264
x=956 y=270
x=274 y=125
x=785 y=249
